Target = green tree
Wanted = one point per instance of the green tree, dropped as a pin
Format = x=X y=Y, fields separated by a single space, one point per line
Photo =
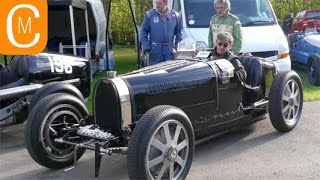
x=282 y=7
x=121 y=23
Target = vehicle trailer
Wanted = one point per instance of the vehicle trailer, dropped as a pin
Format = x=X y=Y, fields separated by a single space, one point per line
x=75 y=27
x=78 y=27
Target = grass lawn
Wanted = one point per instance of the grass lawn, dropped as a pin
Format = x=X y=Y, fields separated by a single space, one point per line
x=310 y=92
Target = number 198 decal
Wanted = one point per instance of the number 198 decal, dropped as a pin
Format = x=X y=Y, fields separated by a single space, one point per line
x=59 y=65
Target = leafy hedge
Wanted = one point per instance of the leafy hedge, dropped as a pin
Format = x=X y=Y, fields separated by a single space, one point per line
x=282 y=7
x=122 y=28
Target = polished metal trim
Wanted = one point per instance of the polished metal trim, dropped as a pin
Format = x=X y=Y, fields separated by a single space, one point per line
x=20 y=91
x=211 y=64
x=125 y=100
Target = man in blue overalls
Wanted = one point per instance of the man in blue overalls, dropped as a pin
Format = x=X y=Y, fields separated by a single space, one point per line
x=159 y=28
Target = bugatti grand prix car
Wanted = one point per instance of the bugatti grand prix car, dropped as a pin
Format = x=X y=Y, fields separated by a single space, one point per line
x=156 y=114
x=305 y=51
x=29 y=78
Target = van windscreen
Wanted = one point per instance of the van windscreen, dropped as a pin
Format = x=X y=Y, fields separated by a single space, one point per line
x=250 y=12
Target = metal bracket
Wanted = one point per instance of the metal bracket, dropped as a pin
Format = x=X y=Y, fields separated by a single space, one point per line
x=97 y=158
x=74 y=158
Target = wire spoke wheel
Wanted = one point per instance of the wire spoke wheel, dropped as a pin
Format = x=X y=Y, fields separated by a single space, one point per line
x=55 y=117
x=59 y=122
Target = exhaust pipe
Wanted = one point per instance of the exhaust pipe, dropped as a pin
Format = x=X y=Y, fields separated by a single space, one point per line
x=19 y=91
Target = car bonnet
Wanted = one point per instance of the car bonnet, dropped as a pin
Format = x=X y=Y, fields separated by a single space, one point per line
x=313 y=40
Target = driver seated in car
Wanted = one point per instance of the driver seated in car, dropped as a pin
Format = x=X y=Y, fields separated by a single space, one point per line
x=222 y=51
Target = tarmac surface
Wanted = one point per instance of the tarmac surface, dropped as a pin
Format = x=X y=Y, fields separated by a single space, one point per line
x=256 y=152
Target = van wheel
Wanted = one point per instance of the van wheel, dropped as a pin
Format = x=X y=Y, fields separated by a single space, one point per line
x=313 y=69
x=286 y=101
x=162 y=145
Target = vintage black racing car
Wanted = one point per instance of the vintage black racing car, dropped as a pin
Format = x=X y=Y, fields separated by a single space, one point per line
x=29 y=78
x=156 y=114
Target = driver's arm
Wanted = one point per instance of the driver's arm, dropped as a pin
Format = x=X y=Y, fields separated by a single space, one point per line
x=240 y=71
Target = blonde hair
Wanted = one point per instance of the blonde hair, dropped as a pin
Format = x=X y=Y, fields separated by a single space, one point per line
x=226 y=3
x=165 y=1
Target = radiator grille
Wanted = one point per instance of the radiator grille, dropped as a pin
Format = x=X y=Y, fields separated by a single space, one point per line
x=107 y=109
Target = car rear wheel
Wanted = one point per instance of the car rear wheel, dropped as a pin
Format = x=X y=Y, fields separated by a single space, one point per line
x=286 y=101
x=54 y=117
x=162 y=145
x=313 y=69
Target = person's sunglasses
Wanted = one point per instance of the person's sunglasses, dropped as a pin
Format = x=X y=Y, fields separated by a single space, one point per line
x=224 y=44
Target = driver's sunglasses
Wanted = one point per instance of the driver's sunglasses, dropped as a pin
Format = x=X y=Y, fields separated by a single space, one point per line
x=224 y=44
x=222 y=8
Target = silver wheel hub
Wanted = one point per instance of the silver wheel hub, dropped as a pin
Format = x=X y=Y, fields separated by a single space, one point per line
x=168 y=150
x=172 y=154
x=291 y=102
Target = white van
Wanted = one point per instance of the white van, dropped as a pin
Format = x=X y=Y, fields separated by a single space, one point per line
x=262 y=35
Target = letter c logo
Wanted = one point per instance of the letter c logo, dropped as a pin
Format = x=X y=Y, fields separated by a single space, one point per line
x=9 y=26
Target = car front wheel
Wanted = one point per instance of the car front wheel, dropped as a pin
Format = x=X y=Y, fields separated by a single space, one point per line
x=162 y=145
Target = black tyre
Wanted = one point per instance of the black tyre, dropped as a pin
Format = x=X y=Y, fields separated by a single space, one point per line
x=55 y=116
x=54 y=87
x=286 y=101
x=162 y=145
x=313 y=69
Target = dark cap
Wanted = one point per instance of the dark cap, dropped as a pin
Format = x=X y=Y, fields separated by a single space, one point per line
x=225 y=37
